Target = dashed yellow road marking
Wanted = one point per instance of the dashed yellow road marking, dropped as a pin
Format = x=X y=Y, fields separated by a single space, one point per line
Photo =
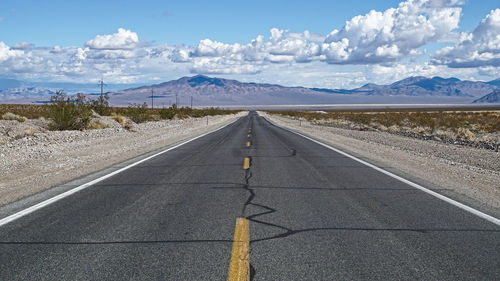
x=248 y=136
x=246 y=163
x=239 y=267
x=247 y=144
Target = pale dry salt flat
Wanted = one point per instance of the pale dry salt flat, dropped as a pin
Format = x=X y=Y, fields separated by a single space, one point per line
x=466 y=174
x=33 y=159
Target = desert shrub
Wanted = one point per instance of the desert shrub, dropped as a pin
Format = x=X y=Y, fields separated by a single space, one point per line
x=139 y=113
x=168 y=113
x=12 y=116
x=69 y=114
x=101 y=105
x=362 y=118
x=389 y=119
x=423 y=119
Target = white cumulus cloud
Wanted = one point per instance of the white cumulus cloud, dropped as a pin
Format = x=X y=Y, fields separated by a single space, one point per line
x=379 y=37
x=281 y=47
x=478 y=48
x=123 y=39
x=6 y=52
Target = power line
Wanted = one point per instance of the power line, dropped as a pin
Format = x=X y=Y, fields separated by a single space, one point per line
x=101 y=83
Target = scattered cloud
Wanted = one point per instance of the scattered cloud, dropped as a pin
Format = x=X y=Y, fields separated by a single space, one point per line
x=282 y=47
x=7 y=53
x=376 y=47
x=123 y=39
x=396 y=33
x=22 y=46
x=478 y=48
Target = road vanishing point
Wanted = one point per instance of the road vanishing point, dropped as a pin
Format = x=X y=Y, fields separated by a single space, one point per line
x=250 y=201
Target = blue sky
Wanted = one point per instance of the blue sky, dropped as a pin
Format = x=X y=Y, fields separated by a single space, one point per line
x=165 y=29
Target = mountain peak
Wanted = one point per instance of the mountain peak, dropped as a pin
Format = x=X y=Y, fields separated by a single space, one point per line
x=204 y=80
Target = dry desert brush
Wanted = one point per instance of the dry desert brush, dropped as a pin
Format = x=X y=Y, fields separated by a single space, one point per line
x=470 y=125
x=69 y=113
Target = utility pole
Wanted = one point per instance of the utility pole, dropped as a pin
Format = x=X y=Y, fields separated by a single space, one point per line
x=191 y=102
x=176 y=101
x=101 y=83
x=152 y=99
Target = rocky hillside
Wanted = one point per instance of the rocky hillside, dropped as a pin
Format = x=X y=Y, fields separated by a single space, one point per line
x=493 y=97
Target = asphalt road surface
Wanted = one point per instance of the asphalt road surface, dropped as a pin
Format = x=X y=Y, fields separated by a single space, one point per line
x=314 y=215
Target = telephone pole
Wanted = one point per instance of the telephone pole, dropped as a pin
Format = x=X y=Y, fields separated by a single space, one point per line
x=191 y=102
x=101 y=83
x=176 y=101
x=152 y=99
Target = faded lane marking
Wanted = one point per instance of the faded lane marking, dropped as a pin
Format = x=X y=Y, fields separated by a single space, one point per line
x=246 y=163
x=239 y=267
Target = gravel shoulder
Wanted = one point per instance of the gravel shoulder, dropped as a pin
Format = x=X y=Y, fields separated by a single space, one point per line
x=466 y=174
x=33 y=159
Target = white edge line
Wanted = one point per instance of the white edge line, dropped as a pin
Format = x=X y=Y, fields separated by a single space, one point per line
x=56 y=198
x=428 y=191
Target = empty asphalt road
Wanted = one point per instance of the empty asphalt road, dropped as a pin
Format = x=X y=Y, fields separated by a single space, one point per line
x=314 y=214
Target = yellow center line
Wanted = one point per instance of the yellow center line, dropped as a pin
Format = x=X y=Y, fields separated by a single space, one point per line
x=247 y=144
x=246 y=163
x=239 y=268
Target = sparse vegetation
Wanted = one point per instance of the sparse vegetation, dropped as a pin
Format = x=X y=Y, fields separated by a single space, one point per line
x=12 y=116
x=69 y=114
x=467 y=125
x=75 y=113
x=29 y=111
x=139 y=113
x=100 y=105
x=168 y=113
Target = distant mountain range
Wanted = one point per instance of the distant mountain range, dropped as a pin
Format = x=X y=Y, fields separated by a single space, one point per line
x=207 y=90
x=16 y=91
x=203 y=90
x=493 y=97
x=436 y=86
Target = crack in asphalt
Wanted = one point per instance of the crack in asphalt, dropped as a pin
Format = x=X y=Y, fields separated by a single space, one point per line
x=289 y=231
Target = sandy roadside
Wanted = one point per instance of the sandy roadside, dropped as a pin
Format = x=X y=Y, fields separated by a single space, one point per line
x=466 y=174
x=46 y=159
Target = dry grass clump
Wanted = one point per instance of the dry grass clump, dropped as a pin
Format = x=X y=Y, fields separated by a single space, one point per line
x=97 y=125
x=12 y=116
x=119 y=118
